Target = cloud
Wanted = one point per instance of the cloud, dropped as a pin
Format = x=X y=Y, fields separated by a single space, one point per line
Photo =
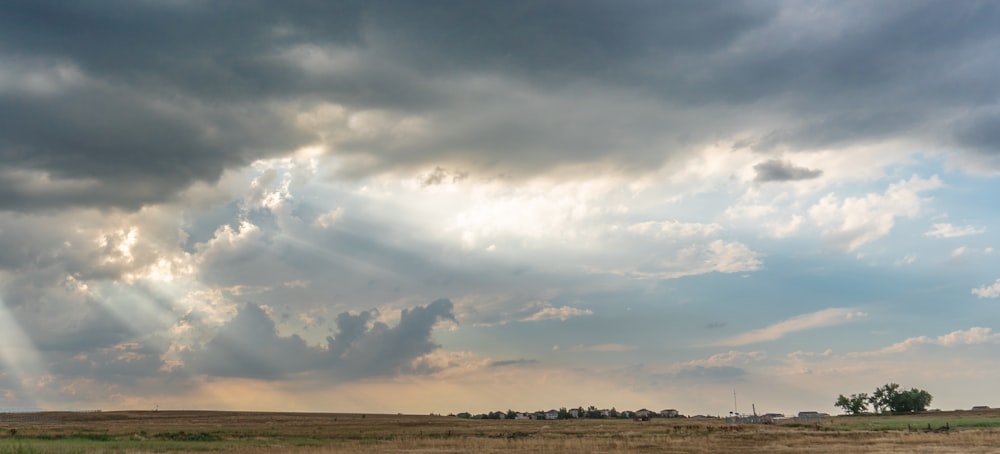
x=511 y=99
x=250 y=346
x=826 y=317
x=777 y=170
x=251 y=181
x=712 y=374
x=953 y=231
x=674 y=229
x=988 y=291
x=855 y=221
x=973 y=336
x=717 y=256
x=513 y=362
x=726 y=359
x=720 y=367
x=603 y=348
x=557 y=313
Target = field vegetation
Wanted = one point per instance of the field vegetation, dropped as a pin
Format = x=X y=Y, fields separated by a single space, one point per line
x=243 y=432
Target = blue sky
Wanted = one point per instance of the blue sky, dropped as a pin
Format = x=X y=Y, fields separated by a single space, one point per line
x=452 y=206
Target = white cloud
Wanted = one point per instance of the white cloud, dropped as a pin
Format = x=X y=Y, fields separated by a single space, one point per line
x=855 y=221
x=786 y=229
x=823 y=318
x=557 y=313
x=976 y=335
x=717 y=256
x=988 y=291
x=953 y=231
x=674 y=229
x=963 y=254
x=725 y=359
x=329 y=219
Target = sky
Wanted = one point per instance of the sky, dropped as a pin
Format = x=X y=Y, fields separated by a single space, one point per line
x=446 y=206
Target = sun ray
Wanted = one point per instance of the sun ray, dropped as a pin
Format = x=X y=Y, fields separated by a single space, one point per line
x=21 y=360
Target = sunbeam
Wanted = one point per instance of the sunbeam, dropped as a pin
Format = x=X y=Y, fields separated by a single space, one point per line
x=23 y=367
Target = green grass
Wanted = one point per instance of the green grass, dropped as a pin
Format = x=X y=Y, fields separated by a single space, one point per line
x=906 y=422
x=17 y=448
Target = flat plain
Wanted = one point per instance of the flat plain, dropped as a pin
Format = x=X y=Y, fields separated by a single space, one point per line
x=255 y=432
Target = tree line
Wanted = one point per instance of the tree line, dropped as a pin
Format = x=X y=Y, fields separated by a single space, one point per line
x=888 y=398
x=564 y=413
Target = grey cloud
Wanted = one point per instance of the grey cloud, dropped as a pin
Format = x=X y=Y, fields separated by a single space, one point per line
x=114 y=147
x=712 y=373
x=250 y=346
x=57 y=319
x=123 y=363
x=13 y=397
x=979 y=131
x=166 y=94
x=513 y=362
x=777 y=170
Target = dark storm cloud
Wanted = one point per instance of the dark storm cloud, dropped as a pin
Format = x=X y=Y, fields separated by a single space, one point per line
x=126 y=103
x=777 y=170
x=250 y=346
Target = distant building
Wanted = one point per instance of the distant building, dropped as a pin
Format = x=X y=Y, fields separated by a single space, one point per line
x=574 y=413
x=809 y=416
x=771 y=418
x=552 y=414
x=980 y=408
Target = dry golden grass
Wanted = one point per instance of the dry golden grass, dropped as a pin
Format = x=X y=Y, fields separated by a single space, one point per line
x=196 y=431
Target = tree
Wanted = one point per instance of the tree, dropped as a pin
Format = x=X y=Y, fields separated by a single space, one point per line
x=856 y=404
x=912 y=401
x=883 y=396
x=889 y=398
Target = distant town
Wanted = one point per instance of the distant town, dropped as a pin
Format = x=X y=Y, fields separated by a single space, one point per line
x=638 y=415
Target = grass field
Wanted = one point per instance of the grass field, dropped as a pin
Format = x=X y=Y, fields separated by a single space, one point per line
x=198 y=431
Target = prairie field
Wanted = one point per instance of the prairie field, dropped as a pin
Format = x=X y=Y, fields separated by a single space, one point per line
x=249 y=432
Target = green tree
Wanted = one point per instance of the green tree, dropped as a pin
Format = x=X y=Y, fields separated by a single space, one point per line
x=856 y=404
x=889 y=398
x=883 y=396
x=912 y=401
